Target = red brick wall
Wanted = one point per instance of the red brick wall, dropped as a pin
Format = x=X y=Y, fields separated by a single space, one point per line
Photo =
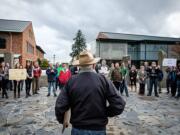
x=19 y=44
x=27 y=37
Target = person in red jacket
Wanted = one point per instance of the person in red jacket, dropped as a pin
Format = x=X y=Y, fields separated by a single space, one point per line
x=36 y=76
x=64 y=75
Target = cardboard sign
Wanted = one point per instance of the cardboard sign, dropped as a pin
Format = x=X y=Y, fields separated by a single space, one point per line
x=17 y=74
x=169 y=62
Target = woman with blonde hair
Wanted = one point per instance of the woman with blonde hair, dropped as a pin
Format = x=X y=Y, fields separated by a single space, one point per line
x=142 y=75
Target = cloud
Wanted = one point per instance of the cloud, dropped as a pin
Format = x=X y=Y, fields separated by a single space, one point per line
x=57 y=21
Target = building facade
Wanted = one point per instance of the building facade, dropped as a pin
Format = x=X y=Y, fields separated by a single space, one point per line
x=17 y=42
x=140 y=48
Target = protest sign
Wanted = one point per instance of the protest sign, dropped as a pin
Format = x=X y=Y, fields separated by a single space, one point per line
x=169 y=62
x=17 y=74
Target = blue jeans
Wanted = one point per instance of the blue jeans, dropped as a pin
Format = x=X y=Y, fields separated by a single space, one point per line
x=178 y=88
x=76 y=131
x=125 y=88
x=53 y=85
x=153 y=82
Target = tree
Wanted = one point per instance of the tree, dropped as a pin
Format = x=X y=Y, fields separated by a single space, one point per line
x=79 y=45
x=44 y=64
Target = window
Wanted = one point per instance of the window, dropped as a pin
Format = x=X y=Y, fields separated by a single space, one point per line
x=30 y=34
x=30 y=48
x=2 y=43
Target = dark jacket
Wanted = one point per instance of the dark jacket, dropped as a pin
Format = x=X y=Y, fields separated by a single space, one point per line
x=88 y=100
x=29 y=72
x=116 y=75
x=153 y=73
x=173 y=76
x=178 y=74
x=133 y=75
x=51 y=75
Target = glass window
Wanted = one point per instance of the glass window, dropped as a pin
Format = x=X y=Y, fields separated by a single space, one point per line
x=152 y=55
x=2 y=43
x=30 y=48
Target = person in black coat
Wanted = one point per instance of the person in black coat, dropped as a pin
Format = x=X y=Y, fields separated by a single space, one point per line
x=153 y=75
x=86 y=94
x=51 y=75
x=29 y=78
x=173 y=79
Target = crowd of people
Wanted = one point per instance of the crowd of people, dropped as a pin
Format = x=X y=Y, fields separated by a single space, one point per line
x=33 y=75
x=149 y=78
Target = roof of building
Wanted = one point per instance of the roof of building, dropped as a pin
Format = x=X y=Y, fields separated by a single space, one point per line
x=40 y=49
x=13 y=25
x=134 y=37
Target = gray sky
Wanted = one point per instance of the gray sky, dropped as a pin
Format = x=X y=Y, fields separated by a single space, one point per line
x=56 y=22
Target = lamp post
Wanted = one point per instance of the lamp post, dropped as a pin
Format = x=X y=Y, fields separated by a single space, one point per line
x=54 y=59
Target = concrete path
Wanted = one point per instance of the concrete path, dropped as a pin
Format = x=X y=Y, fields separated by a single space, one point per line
x=143 y=116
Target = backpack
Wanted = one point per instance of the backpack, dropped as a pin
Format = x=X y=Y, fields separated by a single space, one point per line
x=64 y=76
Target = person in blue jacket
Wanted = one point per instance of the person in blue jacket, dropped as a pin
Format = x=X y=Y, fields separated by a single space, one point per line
x=51 y=76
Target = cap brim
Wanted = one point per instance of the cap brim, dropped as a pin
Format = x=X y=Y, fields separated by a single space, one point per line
x=76 y=62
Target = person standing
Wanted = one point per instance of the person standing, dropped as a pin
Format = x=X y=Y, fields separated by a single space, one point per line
x=133 y=77
x=58 y=83
x=51 y=73
x=29 y=78
x=116 y=77
x=124 y=72
x=173 y=81
x=86 y=94
x=104 y=69
x=17 y=83
x=168 y=84
x=160 y=78
x=178 y=81
x=64 y=75
x=111 y=70
x=3 y=80
x=142 y=75
x=153 y=75
x=146 y=66
x=36 y=75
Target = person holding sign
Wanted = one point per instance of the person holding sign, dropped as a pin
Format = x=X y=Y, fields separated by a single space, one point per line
x=17 y=83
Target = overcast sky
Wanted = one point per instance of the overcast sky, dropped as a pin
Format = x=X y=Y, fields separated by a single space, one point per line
x=56 y=22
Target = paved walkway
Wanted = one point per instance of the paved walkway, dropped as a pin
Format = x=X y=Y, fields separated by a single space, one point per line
x=142 y=116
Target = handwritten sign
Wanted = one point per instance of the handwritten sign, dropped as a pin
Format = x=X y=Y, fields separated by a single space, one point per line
x=169 y=62
x=17 y=74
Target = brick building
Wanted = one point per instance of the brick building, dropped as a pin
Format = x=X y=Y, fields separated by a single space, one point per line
x=17 y=42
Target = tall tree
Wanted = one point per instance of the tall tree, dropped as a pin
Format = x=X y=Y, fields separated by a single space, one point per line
x=78 y=45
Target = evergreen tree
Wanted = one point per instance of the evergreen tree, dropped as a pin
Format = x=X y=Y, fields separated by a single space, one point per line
x=79 y=45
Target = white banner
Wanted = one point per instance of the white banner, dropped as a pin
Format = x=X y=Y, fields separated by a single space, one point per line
x=169 y=62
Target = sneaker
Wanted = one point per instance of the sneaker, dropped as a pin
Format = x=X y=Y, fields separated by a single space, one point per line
x=157 y=95
x=36 y=93
x=48 y=94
